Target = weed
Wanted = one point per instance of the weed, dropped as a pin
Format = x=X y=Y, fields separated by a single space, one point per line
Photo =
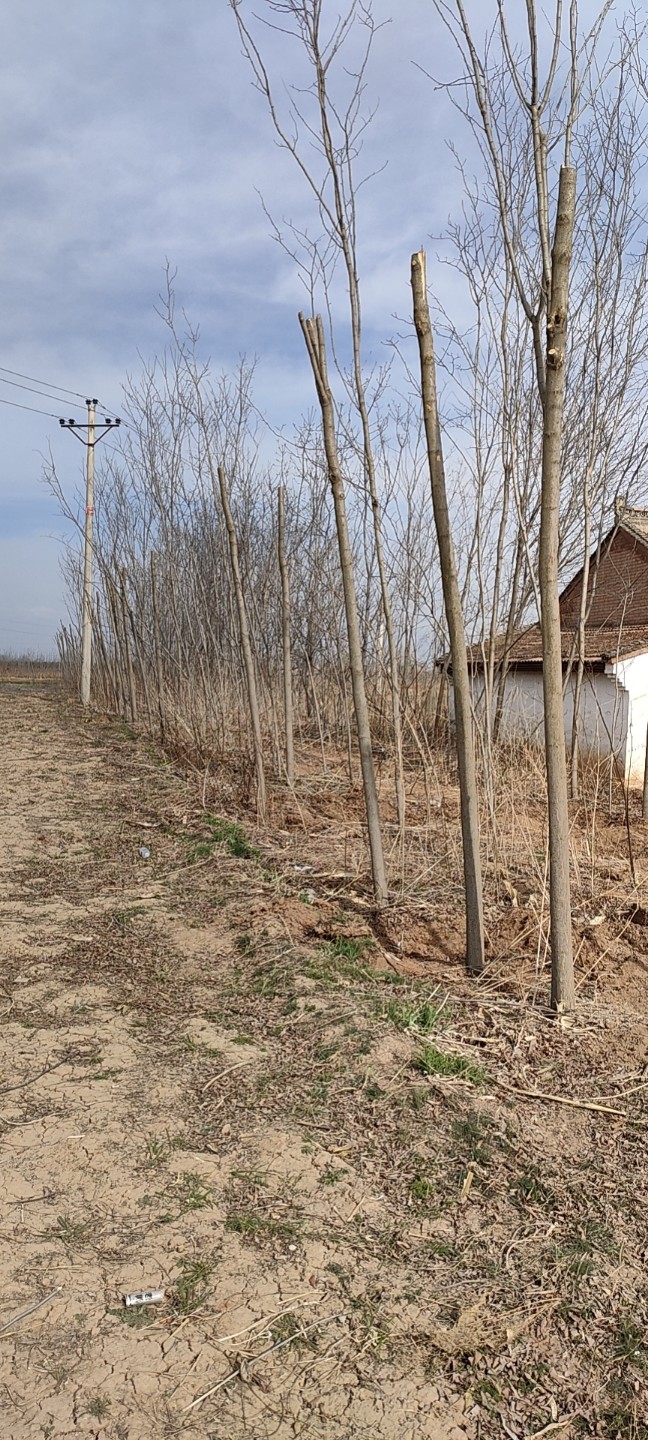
x=195 y=1193
x=337 y=1269
x=416 y=1098
x=324 y=1052
x=135 y=1316
x=423 y=1017
x=287 y=1327
x=256 y=1178
x=71 y=1232
x=123 y=920
x=271 y=979
x=345 y=948
x=375 y=1327
x=471 y=1133
x=258 y=1228
x=443 y=1249
x=331 y=1176
x=631 y=1343
x=191 y=1287
x=157 y=1151
x=230 y=834
x=421 y=1188
x=99 y=1407
x=582 y=1245
x=529 y=1188
x=621 y=1421
x=436 y=1062
x=191 y=1046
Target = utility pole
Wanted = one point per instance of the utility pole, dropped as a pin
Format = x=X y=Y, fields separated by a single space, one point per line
x=89 y=439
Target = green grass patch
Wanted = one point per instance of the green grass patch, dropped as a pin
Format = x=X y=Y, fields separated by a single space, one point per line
x=229 y=834
x=192 y=1286
x=529 y=1188
x=259 y=1227
x=195 y=1194
x=421 y=1016
x=432 y=1061
x=471 y=1134
x=344 y=947
x=135 y=1316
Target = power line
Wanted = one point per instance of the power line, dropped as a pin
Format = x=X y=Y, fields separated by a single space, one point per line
x=6 y=371
x=33 y=408
x=74 y=403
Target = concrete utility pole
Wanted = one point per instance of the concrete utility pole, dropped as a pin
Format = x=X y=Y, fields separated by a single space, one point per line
x=89 y=440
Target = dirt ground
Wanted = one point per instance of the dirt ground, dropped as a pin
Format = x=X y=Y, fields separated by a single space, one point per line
x=381 y=1201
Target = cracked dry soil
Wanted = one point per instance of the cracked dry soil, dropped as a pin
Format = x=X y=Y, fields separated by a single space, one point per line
x=126 y=1160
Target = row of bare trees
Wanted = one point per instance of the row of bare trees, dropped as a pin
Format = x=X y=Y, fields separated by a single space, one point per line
x=309 y=585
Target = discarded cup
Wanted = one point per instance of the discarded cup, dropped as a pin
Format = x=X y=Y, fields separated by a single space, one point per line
x=144 y=1297
x=144 y=852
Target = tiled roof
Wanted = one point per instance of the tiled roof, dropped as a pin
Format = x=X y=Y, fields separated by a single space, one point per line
x=635 y=521
x=602 y=643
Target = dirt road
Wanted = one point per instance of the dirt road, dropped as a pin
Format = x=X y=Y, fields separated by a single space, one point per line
x=201 y=1094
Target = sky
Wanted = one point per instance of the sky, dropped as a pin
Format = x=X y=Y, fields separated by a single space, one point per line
x=133 y=137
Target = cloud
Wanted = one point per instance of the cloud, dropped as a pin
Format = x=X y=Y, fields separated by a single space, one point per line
x=132 y=133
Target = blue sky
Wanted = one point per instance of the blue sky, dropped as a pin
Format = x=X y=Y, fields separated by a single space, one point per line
x=132 y=135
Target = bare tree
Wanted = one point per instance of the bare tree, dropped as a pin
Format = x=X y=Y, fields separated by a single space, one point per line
x=454 y=615
x=313 y=332
x=323 y=133
x=285 y=634
x=520 y=121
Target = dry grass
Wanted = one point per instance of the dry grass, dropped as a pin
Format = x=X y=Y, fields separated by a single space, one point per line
x=322 y=1114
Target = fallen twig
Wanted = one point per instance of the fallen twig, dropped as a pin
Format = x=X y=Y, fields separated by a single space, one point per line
x=267 y=1320
x=238 y=1066
x=22 y=1314
x=234 y=1374
x=30 y=1081
x=561 y=1099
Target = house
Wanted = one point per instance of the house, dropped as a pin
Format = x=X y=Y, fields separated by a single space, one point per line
x=613 y=710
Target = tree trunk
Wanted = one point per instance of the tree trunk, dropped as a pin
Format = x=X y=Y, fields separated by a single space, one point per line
x=285 y=635
x=132 y=694
x=246 y=646
x=454 y=617
x=313 y=332
x=159 y=673
x=562 y=963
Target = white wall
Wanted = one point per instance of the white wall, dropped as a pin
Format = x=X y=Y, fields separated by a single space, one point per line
x=633 y=676
x=607 y=702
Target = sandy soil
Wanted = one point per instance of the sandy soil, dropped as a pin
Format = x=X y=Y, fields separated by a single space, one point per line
x=214 y=1084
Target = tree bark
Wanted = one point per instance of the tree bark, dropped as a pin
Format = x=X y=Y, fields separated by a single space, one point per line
x=562 y=962
x=159 y=673
x=454 y=617
x=285 y=637
x=130 y=673
x=246 y=646
x=313 y=332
